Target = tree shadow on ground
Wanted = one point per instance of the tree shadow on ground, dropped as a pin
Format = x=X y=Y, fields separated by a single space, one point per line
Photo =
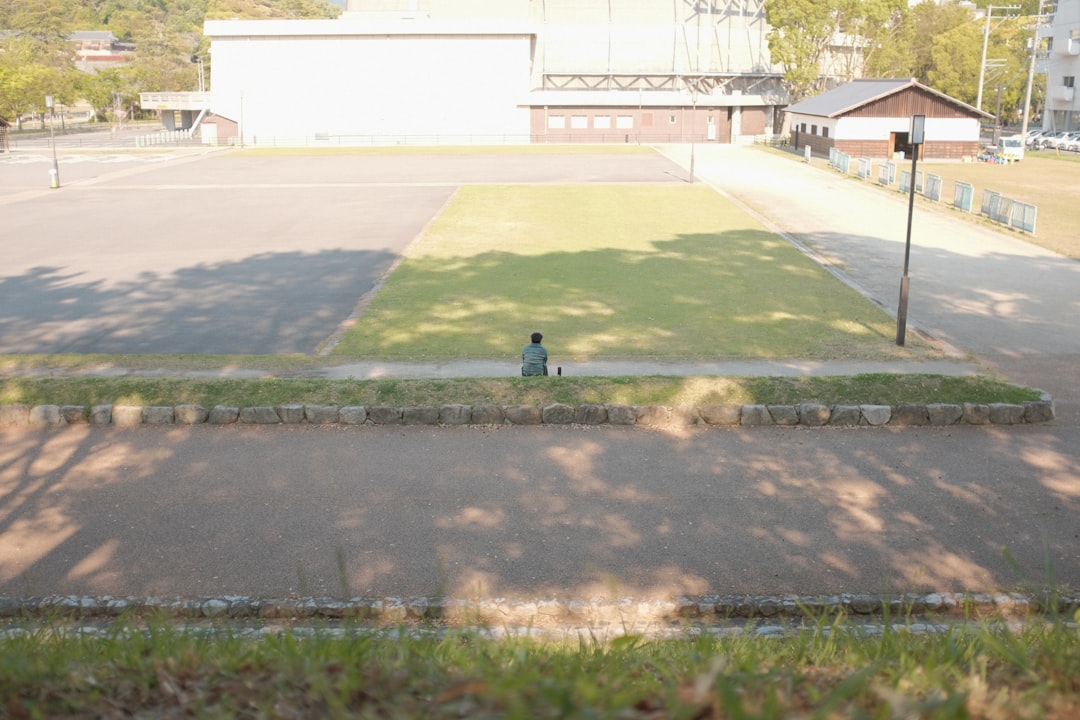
x=285 y=302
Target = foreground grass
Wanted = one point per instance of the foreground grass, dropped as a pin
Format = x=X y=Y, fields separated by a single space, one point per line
x=975 y=672
x=639 y=390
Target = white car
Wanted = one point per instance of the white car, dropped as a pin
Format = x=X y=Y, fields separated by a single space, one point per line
x=1072 y=143
x=1056 y=140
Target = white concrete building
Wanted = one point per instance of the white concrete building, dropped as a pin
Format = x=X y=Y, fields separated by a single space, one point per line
x=1062 y=110
x=498 y=71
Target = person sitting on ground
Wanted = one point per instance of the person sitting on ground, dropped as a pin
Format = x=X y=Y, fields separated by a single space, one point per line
x=534 y=357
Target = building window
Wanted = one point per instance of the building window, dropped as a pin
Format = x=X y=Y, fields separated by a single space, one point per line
x=671 y=119
x=601 y=122
x=579 y=122
x=813 y=129
x=803 y=127
x=556 y=122
x=711 y=120
x=624 y=122
x=824 y=131
x=1068 y=80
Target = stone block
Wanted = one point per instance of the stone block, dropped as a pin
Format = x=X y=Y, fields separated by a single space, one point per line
x=420 y=415
x=223 y=415
x=291 y=413
x=653 y=415
x=876 y=415
x=46 y=415
x=756 y=415
x=16 y=414
x=488 y=414
x=1006 y=413
x=352 y=415
x=73 y=414
x=127 y=415
x=944 y=413
x=910 y=414
x=784 y=414
x=845 y=415
x=158 y=415
x=621 y=414
x=1039 y=411
x=721 y=413
x=259 y=415
x=101 y=414
x=558 y=414
x=384 y=415
x=455 y=414
x=524 y=414
x=814 y=414
x=191 y=414
x=685 y=415
x=321 y=414
x=590 y=414
x=976 y=414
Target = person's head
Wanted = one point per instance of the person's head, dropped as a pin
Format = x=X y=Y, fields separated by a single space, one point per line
x=537 y=337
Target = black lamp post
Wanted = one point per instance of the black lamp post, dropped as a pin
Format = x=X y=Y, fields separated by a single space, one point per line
x=918 y=124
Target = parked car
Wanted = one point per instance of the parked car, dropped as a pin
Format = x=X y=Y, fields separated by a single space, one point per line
x=1058 y=138
x=1072 y=143
x=1035 y=138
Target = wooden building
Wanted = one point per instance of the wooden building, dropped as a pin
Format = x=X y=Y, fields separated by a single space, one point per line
x=872 y=118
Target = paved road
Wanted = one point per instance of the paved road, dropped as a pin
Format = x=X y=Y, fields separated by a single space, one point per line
x=533 y=511
x=601 y=511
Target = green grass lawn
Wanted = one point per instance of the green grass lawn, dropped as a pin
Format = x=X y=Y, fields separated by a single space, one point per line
x=613 y=271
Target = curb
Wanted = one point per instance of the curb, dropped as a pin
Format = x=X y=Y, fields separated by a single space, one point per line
x=501 y=612
x=804 y=414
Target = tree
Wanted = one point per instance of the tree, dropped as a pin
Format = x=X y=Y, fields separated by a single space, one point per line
x=802 y=31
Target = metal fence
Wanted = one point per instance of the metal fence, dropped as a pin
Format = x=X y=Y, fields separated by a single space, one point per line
x=1007 y=211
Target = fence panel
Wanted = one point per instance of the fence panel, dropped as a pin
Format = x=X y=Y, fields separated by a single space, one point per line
x=865 y=167
x=1023 y=216
x=933 y=187
x=963 y=194
x=905 y=181
x=990 y=200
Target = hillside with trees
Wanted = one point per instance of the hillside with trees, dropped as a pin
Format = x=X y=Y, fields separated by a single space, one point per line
x=37 y=59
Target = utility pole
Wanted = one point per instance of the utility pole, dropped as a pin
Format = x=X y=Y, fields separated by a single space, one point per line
x=1009 y=9
x=1031 y=71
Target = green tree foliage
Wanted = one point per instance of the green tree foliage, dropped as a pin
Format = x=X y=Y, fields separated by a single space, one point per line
x=939 y=45
x=803 y=31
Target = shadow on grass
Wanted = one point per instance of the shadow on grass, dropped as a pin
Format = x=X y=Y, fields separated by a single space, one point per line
x=735 y=294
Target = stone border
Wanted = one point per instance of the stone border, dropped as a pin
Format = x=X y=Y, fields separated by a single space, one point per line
x=804 y=414
x=544 y=612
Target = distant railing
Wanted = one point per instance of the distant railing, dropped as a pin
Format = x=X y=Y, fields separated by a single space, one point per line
x=1007 y=211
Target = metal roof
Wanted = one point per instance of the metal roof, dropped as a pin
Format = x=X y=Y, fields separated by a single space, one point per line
x=857 y=93
x=89 y=35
